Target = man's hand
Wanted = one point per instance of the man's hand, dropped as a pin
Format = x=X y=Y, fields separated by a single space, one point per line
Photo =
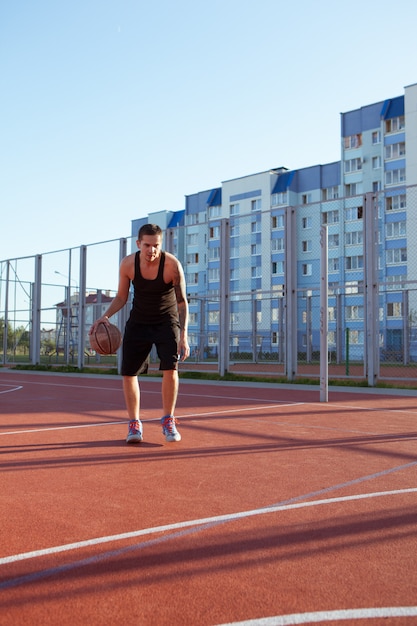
x=101 y=320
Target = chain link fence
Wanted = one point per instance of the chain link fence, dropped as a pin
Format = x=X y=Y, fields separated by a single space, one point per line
x=253 y=285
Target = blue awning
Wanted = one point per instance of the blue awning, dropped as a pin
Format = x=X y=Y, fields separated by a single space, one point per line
x=283 y=182
x=215 y=197
x=176 y=219
x=394 y=107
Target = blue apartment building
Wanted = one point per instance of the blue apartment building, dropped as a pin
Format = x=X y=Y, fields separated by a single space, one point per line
x=251 y=217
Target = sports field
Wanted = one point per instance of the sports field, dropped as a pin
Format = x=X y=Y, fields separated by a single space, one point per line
x=273 y=509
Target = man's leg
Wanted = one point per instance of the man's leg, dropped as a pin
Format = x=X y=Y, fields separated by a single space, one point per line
x=132 y=396
x=169 y=400
x=169 y=391
x=132 y=399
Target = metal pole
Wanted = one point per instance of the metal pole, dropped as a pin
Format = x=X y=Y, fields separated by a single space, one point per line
x=224 y=334
x=81 y=305
x=6 y=313
x=324 y=317
x=291 y=330
x=123 y=313
x=36 y=315
x=371 y=286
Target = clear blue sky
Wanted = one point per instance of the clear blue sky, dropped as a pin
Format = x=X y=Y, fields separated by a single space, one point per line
x=111 y=109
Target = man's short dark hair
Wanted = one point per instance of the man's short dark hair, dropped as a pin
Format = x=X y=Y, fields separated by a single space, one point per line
x=149 y=229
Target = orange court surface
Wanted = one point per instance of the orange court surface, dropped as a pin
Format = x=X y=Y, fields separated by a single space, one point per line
x=273 y=509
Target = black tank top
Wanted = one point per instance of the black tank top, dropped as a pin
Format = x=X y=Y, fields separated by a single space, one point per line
x=154 y=301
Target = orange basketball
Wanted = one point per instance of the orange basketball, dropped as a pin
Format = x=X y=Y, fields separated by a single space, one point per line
x=106 y=339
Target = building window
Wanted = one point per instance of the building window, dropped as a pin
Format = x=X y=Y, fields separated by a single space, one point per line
x=396 y=255
x=394 y=309
x=333 y=241
x=353 y=165
x=353 y=141
x=330 y=217
x=395 y=124
x=307 y=269
x=353 y=189
x=256 y=205
x=277 y=267
x=278 y=245
x=354 y=286
x=354 y=213
x=214 y=274
x=330 y=193
x=255 y=227
x=333 y=265
x=394 y=203
x=356 y=337
x=395 y=283
x=214 y=232
x=354 y=262
x=393 y=177
x=279 y=198
x=396 y=229
x=256 y=272
x=306 y=246
x=354 y=238
x=192 y=258
x=214 y=211
x=354 y=312
x=376 y=162
x=277 y=221
x=213 y=254
x=192 y=239
x=376 y=137
x=306 y=198
x=235 y=209
x=213 y=317
x=192 y=278
x=256 y=248
x=395 y=150
x=306 y=222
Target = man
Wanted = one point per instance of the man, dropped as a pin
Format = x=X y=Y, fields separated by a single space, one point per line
x=159 y=317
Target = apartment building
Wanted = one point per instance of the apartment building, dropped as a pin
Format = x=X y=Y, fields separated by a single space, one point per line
x=251 y=237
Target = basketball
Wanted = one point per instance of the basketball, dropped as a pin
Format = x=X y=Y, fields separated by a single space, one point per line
x=106 y=339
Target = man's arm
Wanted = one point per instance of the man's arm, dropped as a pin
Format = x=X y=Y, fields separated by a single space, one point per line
x=181 y=295
x=122 y=295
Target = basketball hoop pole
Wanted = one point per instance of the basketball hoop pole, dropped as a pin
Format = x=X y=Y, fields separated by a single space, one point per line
x=324 y=323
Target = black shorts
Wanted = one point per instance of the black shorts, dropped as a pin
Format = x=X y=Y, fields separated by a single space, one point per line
x=138 y=341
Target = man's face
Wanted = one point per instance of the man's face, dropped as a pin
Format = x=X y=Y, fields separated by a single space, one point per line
x=150 y=247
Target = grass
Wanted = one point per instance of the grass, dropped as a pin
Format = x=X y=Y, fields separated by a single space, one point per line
x=229 y=377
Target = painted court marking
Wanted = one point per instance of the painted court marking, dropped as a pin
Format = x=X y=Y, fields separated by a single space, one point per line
x=155 y=419
x=329 y=616
x=13 y=388
x=230 y=517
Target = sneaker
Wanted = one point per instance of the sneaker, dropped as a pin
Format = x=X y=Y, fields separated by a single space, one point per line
x=134 y=434
x=169 y=429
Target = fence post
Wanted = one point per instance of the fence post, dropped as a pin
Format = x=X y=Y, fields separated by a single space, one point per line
x=291 y=330
x=224 y=315
x=371 y=287
x=124 y=312
x=81 y=305
x=35 y=346
x=324 y=317
x=347 y=350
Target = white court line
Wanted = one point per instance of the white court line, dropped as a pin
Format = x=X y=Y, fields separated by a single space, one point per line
x=329 y=616
x=41 y=430
x=342 y=407
x=10 y=390
x=154 y=419
x=196 y=522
